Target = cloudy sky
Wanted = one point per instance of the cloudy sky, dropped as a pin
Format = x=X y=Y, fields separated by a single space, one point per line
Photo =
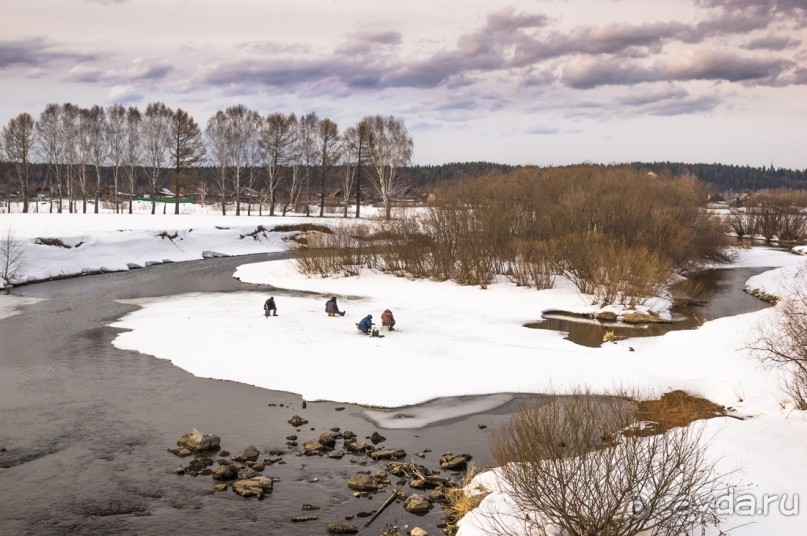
x=522 y=82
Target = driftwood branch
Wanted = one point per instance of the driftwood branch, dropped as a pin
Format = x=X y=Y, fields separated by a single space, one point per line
x=383 y=506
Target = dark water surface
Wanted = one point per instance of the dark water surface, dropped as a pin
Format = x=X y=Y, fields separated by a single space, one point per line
x=85 y=426
x=722 y=292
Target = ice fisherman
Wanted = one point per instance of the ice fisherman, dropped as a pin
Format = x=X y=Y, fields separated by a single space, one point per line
x=387 y=320
x=366 y=324
x=269 y=307
x=332 y=308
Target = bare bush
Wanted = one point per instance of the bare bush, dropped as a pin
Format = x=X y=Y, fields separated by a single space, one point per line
x=344 y=251
x=12 y=257
x=779 y=215
x=570 y=465
x=782 y=342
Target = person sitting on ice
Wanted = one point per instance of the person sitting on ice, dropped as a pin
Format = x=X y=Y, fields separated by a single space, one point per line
x=269 y=308
x=366 y=324
x=387 y=320
x=332 y=308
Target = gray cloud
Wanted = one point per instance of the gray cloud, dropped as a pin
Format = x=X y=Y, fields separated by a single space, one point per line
x=521 y=43
x=772 y=42
x=669 y=101
x=788 y=7
x=37 y=52
x=588 y=73
x=141 y=69
x=361 y=43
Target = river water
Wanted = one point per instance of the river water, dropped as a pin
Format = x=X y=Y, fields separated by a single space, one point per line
x=721 y=292
x=84 y=426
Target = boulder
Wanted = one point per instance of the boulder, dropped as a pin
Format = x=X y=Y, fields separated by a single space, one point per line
x=251 y=453
x=356 y=447
x=245 y=473
x=198 y=441
x=225 y=472
x=387 y=454
x=328 y=439
x=253 y=487
x=377 y=438
x=417 y=504
x=454 y=462
x=198 y=464
x=297 y=421
x=314 y=448
x=363 y=483
x=417 y=531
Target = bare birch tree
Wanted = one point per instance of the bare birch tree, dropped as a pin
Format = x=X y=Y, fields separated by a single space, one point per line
x=98 y=145
x=252 y=154
x=307 y=134
x=133 y=150
x=116 y=115
x=217 y=143
x=18 y=142
x=237 y=142
x=330 y=147
x=71 y=134
x=360 y=139
x=187 y=149
x=84 y=154
x=156 y=140
x=347 y=160
x=51 y=145
x=390 y=148
x=295 y=162
x=277 y=136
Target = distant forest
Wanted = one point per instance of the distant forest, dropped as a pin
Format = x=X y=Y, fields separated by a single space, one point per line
x=733 y=179
x=719 y=177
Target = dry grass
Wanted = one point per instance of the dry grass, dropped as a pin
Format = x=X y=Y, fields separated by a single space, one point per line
x=677 y=408
x=458 y=501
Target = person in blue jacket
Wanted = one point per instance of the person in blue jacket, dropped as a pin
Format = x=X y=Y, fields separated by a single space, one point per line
x=366 y=324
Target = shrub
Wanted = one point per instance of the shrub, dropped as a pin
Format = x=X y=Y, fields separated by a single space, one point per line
x=569 y=464
x=782 y=342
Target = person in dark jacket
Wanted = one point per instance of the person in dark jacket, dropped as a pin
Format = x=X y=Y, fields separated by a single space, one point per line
x=332 y=308
x=269 y=308
x=366 y=324
x=387 y=320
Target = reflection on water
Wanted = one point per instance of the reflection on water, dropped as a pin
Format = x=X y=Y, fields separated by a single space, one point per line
x=721 y=290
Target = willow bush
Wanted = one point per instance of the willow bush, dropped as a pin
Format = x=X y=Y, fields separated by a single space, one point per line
x=617 y=233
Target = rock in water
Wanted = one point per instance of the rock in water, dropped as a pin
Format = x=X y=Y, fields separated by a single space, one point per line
x=251 y=453
x=363 y=483
x=342 y=528
x=198 y=441
x=417 y=504
x=253 y=487
x=297 y=421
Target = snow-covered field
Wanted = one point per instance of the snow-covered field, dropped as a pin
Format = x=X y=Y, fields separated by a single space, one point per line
x=451 y=341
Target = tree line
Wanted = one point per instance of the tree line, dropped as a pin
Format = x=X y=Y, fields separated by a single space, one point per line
x=251 y=156
x=731 y=178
